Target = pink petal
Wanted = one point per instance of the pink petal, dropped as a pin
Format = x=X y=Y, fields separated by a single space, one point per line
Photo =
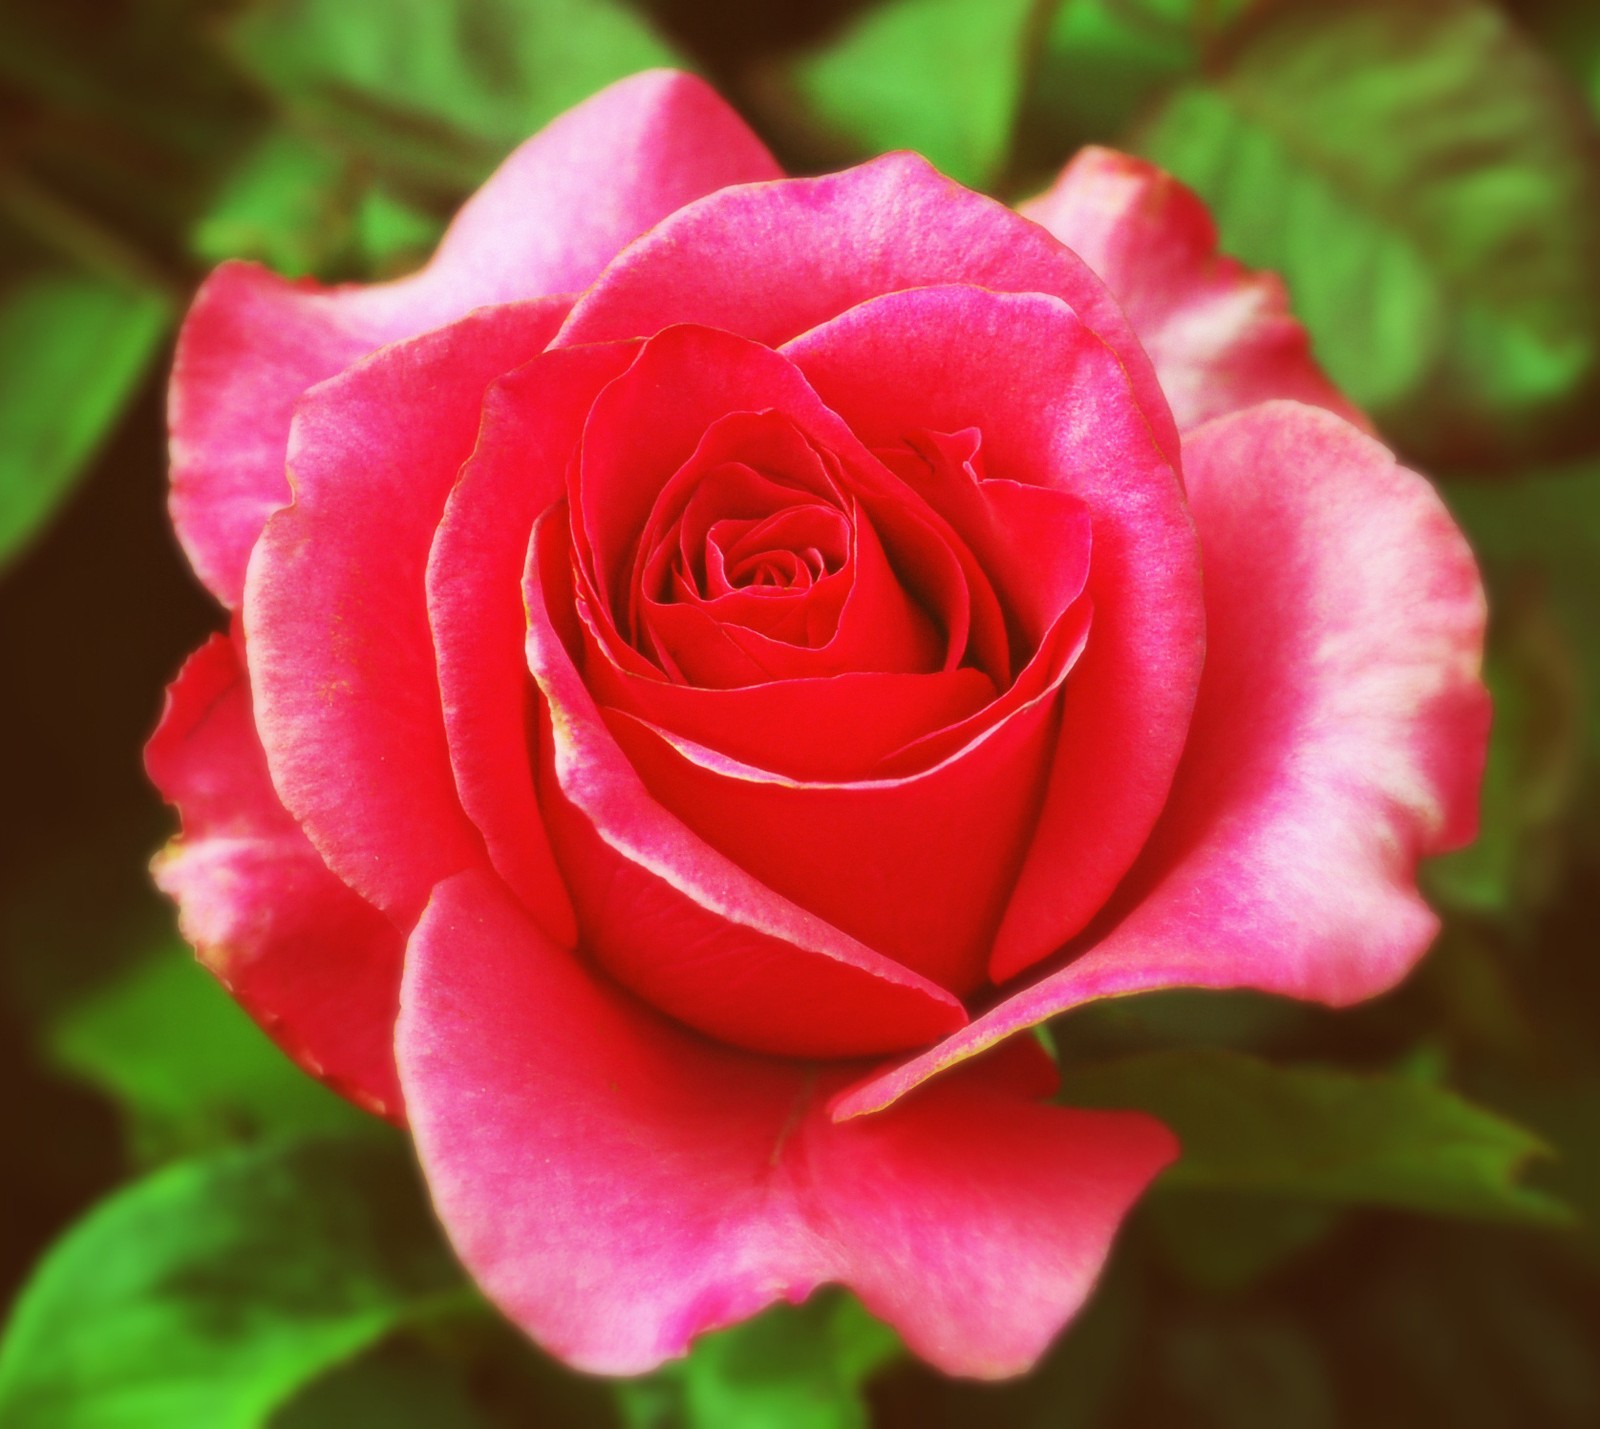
x=1221 y=336
x=618 y=1186
x=341 y=655
x=532 y=420
x=546 y=222
x=1056 y=410
x=589 y=183
x=676 y=921
x=1338 y=738
x=316 y=966
x=768 y=261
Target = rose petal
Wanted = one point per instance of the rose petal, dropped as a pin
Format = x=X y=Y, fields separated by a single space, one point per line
x=546 y=222
x=315 y=965
x=768 y=261
x=532 y=421
x=1056 y=410
x=687 y=386
x=1221 y=336
x=917 y=867
x=836 y=728
x=341 y=654
x=878 y=627
x=676 y=921
x=618 y=1186
x=1032 y=540
x=1339 y=737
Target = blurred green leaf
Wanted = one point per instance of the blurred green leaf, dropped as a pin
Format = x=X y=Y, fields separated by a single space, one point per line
x=220 y=1078
x=448 y=86
x=1430 y=189
x=1226 y=1240
x=1103 y=60
x=790 y=1368
x=943 y=77
x=1179 y=1017
x=1323 y=1135
x=1547 y=524
x=393 y=236
x=204 y=1296
x=1567 y=1111
x=73 y=348
x=1535 y=747
x=305 y=209
x=286 y=205
x=395 y=1386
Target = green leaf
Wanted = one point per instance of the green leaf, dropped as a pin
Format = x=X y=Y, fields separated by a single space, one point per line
x=942 y=77
x=1545 y=528
x=397 y=1386
x=1227 y=1240
x=1430 y=190
x=73 y=350
x=222 y=1078
x=1103 y=60
x=287 y=205
x=1323 y=1135
x=393 y=236
x=305 y=209
x=204 y=1296
x=1535 y=745
x=786 y=1369
x=447 y=86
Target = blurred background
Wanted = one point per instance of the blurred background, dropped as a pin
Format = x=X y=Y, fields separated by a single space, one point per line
x=1386 y=1217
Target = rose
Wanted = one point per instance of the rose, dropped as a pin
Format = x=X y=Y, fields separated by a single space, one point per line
x=714 y=631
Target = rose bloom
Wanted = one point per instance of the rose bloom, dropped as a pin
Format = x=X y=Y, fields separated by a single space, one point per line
x=714 y=656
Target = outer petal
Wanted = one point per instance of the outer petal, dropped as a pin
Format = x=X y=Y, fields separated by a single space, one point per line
x=341 y=654
x=768 y=261
x=619 y=1186
x=1221 y=337
x=1339 y=736
x=1055 y=409
x=675 y=920
x=316 y=966
x=546 y=222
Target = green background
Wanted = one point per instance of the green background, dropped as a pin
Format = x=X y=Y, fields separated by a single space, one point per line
x=1385 y=1217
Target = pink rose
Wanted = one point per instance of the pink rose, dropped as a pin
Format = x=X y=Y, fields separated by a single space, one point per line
x=730 y=650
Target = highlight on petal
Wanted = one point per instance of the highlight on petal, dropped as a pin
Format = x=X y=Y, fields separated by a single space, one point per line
x=341 y=653
x=1338 y=738
x=546 y=222
x=1055 y=409
x=314 y=964
x=619 y=1186
x=768 y=261
x=1221 y=336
